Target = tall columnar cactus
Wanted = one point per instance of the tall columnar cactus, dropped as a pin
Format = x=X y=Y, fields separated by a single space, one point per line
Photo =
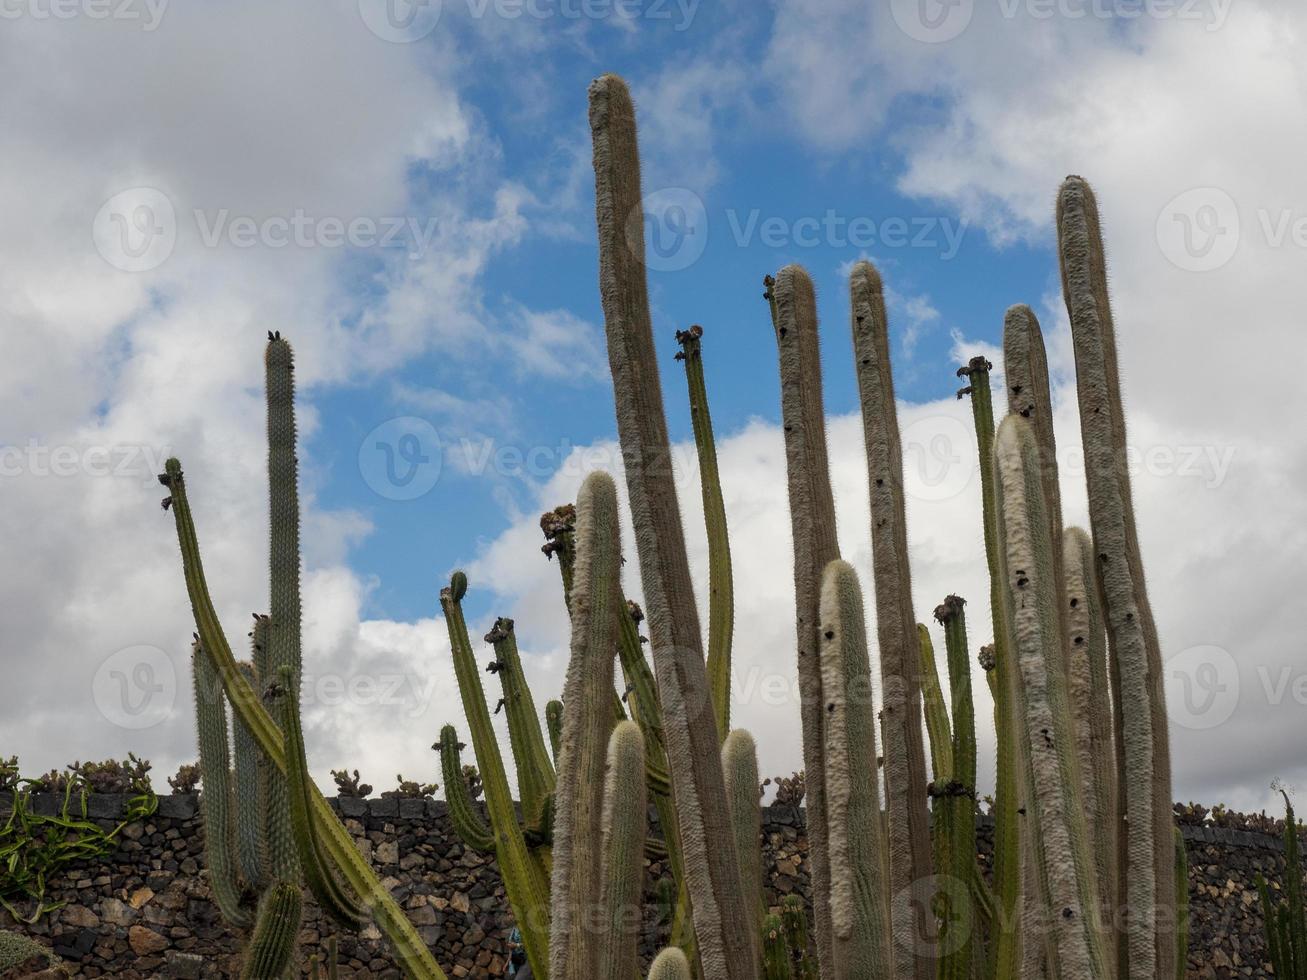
x=1005 y=946
x=896 y=624
x=1147 y=867
x=1076 y=948
x=625 y=823
x=536 y=778
x=740 y=766
x=333 y=840
x=275 y=934
x=282 y=647
x=587 y=721
x=859 y=864
x=1286 y=921
x=217 y=799
x=524 y=870
x=721 y=597
x=1025 y=362
x=727 y=943
x=793 y=303
x=251 y=778
x=939 y=730
x=463 y=813
x=1091 y=704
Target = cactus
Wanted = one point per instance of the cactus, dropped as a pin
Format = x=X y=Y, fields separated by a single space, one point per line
x=939 y=730
x=587 y=722
x=463 y=814
x=251 y=780
x=722 y=916
x=795 y=919
x=216 y=801
x=740 y=766
x=670 y=964
x=625 y=821
x=793 y=305
x=1286 y=922
x=1147 y=869
x=536 y=778
x=905 y=763
x=1066 y=880
x=860 y=914
x=721 y=599
x=554 y=722
x=776 y=962
x=275 y=934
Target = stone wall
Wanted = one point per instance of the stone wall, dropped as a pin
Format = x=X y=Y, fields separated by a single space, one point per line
x=145 y=911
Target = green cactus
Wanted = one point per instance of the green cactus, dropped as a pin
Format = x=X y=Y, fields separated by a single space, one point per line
x=463 y=813
x=1147 y=877
x=251 y=778
x=625 y=823
x=740 y=766
x=1005 y=949
x=554 y=722
x=524 y=869
x=587 y=721
x=896 y=624
x=776 y=961
x=727 y=942
x=721 y=598
x=793 y=304
x=1066 y=880
x=670 y=964
x=1286 y=921
x=939 y=730
x=535 y=767
x=795 y=919
x=860 y=912
x=275 y=934
x=217 y=800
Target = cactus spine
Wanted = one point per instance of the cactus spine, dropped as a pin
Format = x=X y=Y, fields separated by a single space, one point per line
x=721 y=598
x=1147 y=867
x=587 y=720
x=1075 y=949
x=275 y=934
x=793 y=304
x=860 y=915
x=625 y=822
x=722 y=917
x=905 y=762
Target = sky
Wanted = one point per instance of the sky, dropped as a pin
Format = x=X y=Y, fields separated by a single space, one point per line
x=404 y=190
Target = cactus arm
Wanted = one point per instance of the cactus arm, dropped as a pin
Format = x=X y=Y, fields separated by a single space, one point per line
x=251 y=798
x=625 y=823
x=727 y=942
x=938 y=728
x=776 y=963
x=1092 y=705
x=554 y=722
x=1060 y=848
x=275 y=934
x=524 y=876
x=960 y=795
x=1005 y=948
x=860 y=913
x=905 y=762
x=793 y=305
x=313 y=860
x=469 y=826
x=410 y=952
x=216 y=800
x=1149 y=870
x=721 y=597
x=740 y=765
x=574 y=947
x=283 y=630
x=670 y=964
x=535 y=769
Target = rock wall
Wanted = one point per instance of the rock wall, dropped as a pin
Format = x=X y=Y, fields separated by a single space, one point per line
x=144 y=911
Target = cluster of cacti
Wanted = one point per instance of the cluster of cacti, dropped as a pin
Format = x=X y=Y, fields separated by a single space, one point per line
x=1084 y=884
x=1286 y=920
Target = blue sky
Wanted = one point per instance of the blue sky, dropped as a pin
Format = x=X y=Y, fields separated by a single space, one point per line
x=151 y=166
